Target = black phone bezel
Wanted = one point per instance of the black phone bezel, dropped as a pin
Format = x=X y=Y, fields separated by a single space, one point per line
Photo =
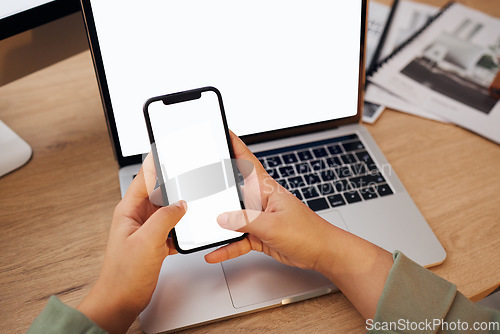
x=180 y=97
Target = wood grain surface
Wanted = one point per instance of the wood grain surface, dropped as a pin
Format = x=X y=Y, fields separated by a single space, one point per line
x=56 y=211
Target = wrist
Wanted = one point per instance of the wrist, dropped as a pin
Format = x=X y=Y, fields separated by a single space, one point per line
x=331 y=249
x=107 y=310
x=343 y=253
x=357 y=267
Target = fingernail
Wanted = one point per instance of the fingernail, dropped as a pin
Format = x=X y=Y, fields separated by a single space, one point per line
x=181 y=204
x=222 y=220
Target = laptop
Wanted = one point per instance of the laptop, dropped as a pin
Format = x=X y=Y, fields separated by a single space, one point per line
x=290 y=74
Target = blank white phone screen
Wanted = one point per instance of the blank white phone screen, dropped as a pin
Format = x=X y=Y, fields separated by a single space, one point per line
x=189 y=138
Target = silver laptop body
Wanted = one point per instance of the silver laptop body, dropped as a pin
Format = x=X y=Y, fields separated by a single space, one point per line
x=191 y=292
x=256 y=281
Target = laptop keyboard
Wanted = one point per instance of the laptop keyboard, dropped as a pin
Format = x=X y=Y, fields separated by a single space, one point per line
x=328 y=173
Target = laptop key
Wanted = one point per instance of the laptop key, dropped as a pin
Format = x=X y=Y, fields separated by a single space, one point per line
x=318 y=204
x=320 y=152
x=318 y=164
x=335 y=149
x=353 y=146
x=273 y=173
x=336 y=200
x=343 y=185
x=262 y=162
x=297 y=193
x=383 y=190
x=348 y=158
x=305 y=155
x=287 y=171
x=303 y=168
x=343 y=172
x=309 y=192
x=290 y=158
x=365 y=157
x=333 y=162
x=375 y=178
x=296 y=182
x=274 y=161
x=368 y=193
x=361 y=181
x=359 y=169
x=328 y=175
x=352 y=197
x=312 y=179
x=326 y=188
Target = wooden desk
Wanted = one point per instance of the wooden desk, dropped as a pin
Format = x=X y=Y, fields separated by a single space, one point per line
x=56 y=211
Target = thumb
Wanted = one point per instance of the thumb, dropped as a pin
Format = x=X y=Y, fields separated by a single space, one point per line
x=159 y=224
x=246 y=221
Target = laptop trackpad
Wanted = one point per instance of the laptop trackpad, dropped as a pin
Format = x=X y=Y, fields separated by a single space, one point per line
x=257 y=278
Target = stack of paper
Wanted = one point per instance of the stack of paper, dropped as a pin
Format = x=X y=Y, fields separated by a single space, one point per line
x=409 y=17
x=445 y=71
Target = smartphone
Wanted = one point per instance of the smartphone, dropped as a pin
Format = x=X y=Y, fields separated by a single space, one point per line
x=194 y=162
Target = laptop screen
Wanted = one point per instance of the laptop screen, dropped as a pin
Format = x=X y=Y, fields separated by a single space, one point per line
x=277 y=63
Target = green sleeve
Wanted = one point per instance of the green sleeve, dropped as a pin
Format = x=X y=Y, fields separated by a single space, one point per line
x=415 y=300
x=60 y=318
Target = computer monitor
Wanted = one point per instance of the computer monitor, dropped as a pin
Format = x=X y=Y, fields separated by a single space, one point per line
x=17 y=16
x=20 y=56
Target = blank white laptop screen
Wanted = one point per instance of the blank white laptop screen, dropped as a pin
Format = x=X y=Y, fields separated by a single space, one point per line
x=277 y=63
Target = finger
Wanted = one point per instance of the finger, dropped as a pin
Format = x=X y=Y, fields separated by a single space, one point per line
x=257 y=223
x=228 y=252
x=237 y=220
x=159 y=225
x=143 y=184
x=252 y=192
x=258 y=195
x=235 y=249
x=149 y=173
x=241 y=151
x=171 y=247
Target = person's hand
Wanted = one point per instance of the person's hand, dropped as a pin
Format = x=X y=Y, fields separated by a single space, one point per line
x=286 y=229
x=138 y=244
